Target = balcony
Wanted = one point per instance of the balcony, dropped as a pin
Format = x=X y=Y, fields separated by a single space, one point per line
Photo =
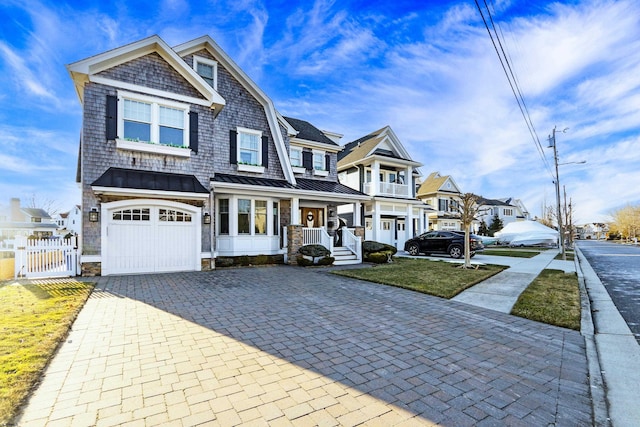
x=388 y=189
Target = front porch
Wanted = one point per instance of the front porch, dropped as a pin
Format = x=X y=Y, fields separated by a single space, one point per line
x=345 y=246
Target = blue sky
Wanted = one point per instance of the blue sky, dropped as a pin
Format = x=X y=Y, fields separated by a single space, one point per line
x=426 y=68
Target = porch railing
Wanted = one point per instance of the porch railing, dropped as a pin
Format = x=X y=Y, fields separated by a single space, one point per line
x=317 y=236
x=352 y=242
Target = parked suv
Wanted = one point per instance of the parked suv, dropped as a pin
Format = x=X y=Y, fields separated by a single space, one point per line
x=444 y=242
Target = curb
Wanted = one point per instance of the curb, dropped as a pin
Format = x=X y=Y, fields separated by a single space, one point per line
x=600 y=410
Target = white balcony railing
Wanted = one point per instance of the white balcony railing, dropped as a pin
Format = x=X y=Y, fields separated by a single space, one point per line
x=389 y=189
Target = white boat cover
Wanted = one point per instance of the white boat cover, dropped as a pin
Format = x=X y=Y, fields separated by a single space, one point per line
x=527 y=233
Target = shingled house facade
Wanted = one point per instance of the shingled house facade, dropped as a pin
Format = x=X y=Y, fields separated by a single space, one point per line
x=184 y=161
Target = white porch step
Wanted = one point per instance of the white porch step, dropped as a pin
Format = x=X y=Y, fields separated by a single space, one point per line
x=344 y=256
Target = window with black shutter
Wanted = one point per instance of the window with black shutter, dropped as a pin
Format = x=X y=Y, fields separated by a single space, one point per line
x=307 y=160
x=112 y=117
x=193 y=131
x=233 y=147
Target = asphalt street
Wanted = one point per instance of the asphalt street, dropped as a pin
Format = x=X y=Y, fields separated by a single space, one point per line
x=618 y=267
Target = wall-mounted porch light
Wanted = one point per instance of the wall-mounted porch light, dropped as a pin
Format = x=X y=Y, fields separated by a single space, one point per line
x=94 y=215
x=206 y=218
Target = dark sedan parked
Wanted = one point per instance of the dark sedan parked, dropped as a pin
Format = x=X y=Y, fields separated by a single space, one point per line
x=444 y=242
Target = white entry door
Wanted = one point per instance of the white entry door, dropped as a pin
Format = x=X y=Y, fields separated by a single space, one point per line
x=150 y=237
x=387 y=231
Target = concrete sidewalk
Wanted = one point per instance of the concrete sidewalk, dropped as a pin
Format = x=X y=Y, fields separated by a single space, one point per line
x=501 y=291
x=612 y=351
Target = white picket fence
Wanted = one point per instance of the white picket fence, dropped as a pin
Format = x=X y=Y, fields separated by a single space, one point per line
x=39 y=258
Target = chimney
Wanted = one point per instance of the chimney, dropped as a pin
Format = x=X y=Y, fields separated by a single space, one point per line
x=16 y=213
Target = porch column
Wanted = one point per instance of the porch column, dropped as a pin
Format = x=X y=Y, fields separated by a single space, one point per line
x=408 y=180
x=295 y=210
x=408 y=223
x=357 y=208
x=375 y=221
x=375 y=179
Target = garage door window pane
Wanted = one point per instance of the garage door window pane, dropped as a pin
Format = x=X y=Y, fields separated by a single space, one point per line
x=131 y=215
x=171 y=215
x=244 y=212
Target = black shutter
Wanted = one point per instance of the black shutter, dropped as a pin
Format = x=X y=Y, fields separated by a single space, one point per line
x=112 y=117
x=307 y=160
x=327 y=162
x=233 y=147
x=265 y=151
x=193 y=131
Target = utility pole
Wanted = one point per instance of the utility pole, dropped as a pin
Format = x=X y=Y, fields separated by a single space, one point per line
x=552 y=143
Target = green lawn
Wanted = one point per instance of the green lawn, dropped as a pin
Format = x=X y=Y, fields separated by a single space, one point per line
x=439 y=278
x=553 y=298
x=516 y=253
x=569 y=255
x=34 y=319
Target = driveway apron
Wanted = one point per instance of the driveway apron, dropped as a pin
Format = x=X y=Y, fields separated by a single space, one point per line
x=292 y=346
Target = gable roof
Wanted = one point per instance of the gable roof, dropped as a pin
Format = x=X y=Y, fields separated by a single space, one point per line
x=36 y=213
x=309 y=132
x=434 y=183
x=207 y=43
x=493 y=202
x=86 y=70
x=382 y=142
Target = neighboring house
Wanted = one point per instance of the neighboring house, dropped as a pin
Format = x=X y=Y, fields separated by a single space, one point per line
x=69 y=222
x=593 y=231
x=443 y=195
x=508 y=210
x=16 y=221
x=185 y=161
x=379 y=165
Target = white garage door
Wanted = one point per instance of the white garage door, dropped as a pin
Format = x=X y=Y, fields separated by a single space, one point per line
x=150 y=239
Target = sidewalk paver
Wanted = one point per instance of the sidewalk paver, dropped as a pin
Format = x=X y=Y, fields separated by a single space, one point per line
x=501 y=291
x=295 y=346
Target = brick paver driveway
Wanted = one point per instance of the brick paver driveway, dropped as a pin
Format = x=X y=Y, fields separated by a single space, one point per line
x=292 y=346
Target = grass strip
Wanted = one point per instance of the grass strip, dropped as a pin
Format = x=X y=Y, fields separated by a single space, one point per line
x=438 y=278
x=34 y=318
x=514 y=253
x=553 y=298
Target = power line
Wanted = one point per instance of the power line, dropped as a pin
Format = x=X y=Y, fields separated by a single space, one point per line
x=511 y=78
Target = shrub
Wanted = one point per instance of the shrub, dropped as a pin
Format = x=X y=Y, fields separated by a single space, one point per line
x=303 y=262
x=378 y=257
x=371 y=246
x=314 y=251
x=377 y=252
x=328 y=260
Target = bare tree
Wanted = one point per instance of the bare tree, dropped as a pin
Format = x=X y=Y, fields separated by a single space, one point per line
x=37 y=201
x=469 y=209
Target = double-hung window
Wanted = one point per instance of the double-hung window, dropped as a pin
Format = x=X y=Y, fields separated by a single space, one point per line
x=223 y=208
x=318 y=160
x=207 y=69
x=244 y=216
x=260 y=217
x=153 y=120
x=296 y=156
x=249 y=147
